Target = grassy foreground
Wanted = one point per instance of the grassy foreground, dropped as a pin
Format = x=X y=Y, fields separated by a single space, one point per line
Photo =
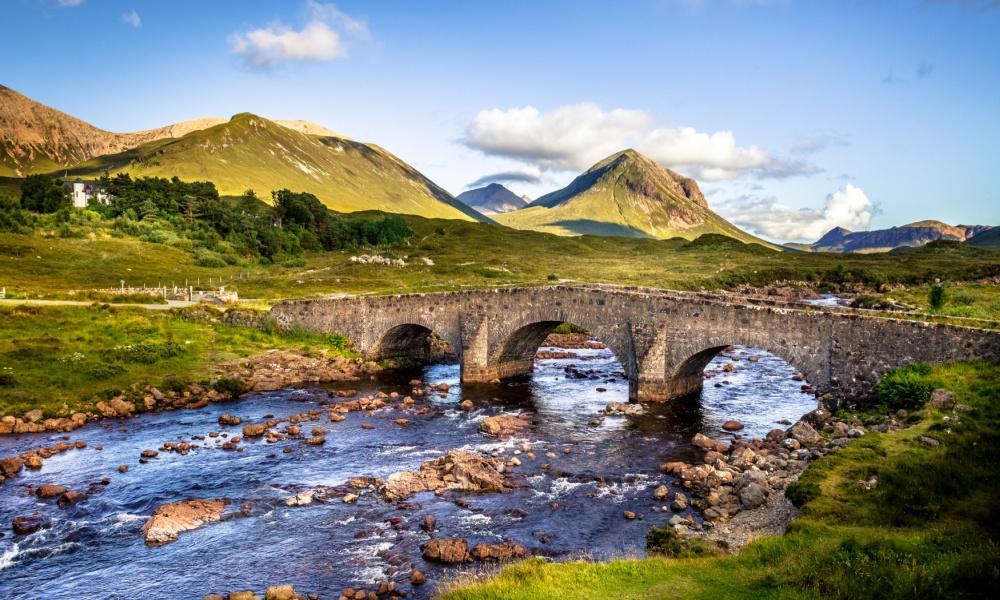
x=64 y=359
x=928 y=530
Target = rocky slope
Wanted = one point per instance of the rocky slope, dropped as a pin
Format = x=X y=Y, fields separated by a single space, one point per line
x=915 y=234
x=492 y=199
x=626 y=194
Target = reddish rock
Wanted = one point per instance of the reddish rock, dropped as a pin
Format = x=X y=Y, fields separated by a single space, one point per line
x=26 y=525
x=449 y=550
x=456 y=470
x=172 y=519
x=503 y=551
x=11 y=465
x=504 y=425
x=50 y=490
x=732 y=425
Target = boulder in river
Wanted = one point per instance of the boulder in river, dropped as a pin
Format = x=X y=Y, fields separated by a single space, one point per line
x=503 y=551
x=26 y=525
x=456 y=470
x=49 y=490
x=504 y=425
x=447 y=550
x=172 y=519
x=11 y=465
x=732 y=425
x=624 y=408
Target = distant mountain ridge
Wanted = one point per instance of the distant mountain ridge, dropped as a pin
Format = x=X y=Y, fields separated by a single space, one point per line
x=244 y=152
x=626 y=194
x=492 y=199
x=915 y=234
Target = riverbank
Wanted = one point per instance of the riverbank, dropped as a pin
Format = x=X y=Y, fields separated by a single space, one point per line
x=61 y=366
x=910 y=513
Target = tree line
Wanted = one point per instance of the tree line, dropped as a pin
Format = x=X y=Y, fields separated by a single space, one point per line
x=193 y=215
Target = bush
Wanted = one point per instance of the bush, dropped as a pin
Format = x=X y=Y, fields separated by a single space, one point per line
x=145 y=353
x=553 y=277
x=105 y=370
x=233 y=387
x=7 y=380
x=665 y=541
x=906 y=388
x=936 y=298
x=207 y=258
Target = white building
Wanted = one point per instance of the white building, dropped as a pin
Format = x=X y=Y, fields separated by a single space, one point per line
x=83 y=191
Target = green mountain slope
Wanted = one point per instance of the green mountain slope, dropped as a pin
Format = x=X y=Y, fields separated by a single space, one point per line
x=987 y=239
x=628 y=195
x=251 y=152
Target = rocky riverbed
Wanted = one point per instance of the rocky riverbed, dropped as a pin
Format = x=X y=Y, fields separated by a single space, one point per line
x=385 y=485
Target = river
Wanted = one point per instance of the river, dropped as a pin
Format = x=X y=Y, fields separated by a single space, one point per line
x=94 y=549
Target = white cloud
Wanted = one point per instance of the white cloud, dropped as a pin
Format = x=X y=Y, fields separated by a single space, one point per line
x=132 y=18
x=848 y=207
x=529 y=175
x=69 y=3
x=576 y=136
x=571 y=137
x=320 y=39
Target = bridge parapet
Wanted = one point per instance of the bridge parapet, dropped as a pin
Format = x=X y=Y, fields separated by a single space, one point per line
x=663 y=339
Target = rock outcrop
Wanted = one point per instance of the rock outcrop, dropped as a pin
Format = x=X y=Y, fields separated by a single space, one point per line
x=172 y=519
x=457 y=470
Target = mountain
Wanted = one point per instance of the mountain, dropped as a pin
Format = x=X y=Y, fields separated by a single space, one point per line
x=35 y=138
x=251 y=152
x=626 y=194
x=988 y=238
x=915 y=234
x=492 y=199
x=245 y=152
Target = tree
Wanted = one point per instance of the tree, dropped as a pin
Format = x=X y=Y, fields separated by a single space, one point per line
x=936 y=297
x=42 y=194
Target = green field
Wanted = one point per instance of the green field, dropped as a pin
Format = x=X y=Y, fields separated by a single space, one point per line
x=928 y=530
x=90 y=254
x=65 y=359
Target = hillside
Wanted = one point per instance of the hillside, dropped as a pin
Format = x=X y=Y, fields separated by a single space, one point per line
x=915 y=234
x=492 y=199
x=626 y=194
x=989 y=238
x=251 y=152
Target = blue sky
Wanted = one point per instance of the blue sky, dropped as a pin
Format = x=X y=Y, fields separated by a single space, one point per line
x=794 y=116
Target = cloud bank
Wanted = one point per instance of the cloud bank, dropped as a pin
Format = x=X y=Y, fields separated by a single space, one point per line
x=848 y=207
x=320 y=39
x=574 y=137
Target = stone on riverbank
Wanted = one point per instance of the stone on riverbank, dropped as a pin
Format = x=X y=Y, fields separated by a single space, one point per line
x=172 y=519
x=624 y=408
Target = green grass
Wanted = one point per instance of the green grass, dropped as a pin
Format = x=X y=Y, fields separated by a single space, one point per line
x=64 y=359
x=976 y=301
x=467 y=256
x=928 y=530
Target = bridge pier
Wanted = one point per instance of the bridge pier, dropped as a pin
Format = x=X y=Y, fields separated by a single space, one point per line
x=667 y=389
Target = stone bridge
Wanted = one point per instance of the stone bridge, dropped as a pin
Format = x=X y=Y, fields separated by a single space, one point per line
x=663 y=339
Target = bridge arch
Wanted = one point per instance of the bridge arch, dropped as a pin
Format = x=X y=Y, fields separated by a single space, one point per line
x=691 y=359
x=410 y=339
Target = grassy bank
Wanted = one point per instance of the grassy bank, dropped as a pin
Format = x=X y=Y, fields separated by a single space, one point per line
x=461 y=255
x=962 y=301
x=928 y=530
x=64 y=359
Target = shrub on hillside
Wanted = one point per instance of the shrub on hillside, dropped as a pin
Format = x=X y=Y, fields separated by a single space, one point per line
x=906 y=388
x=207 y=258
x=665 y=541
